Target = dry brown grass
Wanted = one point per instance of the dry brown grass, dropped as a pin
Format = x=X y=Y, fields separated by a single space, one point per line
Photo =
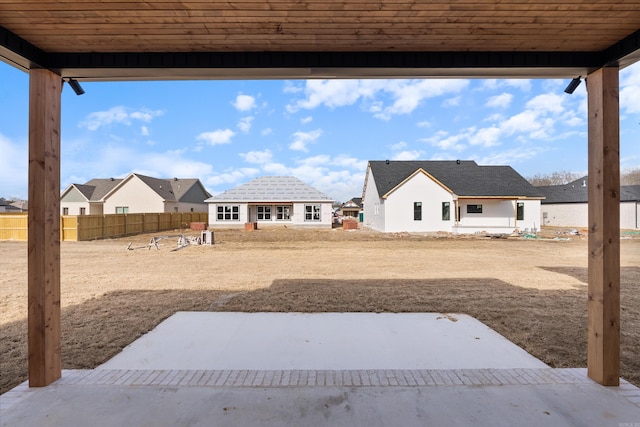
x=533 y=292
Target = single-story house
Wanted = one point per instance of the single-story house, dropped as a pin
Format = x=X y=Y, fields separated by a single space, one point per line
x=451 y=196
x=134 y=194
x=271 y=200
x=352 y=208
x=566 y=205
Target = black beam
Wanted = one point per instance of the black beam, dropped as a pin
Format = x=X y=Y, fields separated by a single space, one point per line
x=16 y=49
x=629 y=47
x=426 y=60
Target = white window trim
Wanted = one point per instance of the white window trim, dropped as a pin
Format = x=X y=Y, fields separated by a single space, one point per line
x=230 y=212
x=313 y=212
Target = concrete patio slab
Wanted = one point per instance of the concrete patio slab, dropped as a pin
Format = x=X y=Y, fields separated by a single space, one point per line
x=270 y=341
x=329 y=369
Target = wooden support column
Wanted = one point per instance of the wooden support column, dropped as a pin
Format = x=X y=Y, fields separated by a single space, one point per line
x=603 y=353
x=44 y=228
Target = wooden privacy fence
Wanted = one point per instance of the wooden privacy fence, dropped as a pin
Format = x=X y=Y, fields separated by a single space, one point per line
x=13 y=226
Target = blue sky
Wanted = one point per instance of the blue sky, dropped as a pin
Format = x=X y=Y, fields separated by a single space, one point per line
x=228 y=132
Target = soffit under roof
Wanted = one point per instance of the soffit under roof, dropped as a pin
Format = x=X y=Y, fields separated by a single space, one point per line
x=158 y=39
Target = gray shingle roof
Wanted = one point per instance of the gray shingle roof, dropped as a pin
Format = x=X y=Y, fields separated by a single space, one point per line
x=272 y=189
x=464 y=178
x=161 y=186
x=170 y=189
x=96 y=189
x=577 y=192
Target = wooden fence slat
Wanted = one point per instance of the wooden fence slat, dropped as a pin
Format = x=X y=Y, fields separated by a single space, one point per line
x=13 y=226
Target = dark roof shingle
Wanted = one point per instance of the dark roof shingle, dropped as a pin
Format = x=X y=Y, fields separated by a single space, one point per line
x=464 y=178
x=577 y=192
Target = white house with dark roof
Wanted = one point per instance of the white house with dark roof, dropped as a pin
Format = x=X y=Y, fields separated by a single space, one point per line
x=566 y=205
x=135 y=193
x=271 y=200
x=450 y=196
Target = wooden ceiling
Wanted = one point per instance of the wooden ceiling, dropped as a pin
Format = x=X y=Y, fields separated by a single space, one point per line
x=87 y=36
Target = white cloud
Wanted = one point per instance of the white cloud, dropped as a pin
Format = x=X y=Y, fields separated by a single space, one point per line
x=499 y=101
x=266 y=131
x=547 y=103
x=408 y=94
x=302 y=139
x=404 y=96
x=330 y=93
x=346 y=161
x=423 y=124
x=408 y=155
x=306 y=120
x=630 y=99
x=144 y=130
x=245 y=124
x=13 y=173
x=510 y=157
x=486 y=137
x=399 y=146
x=444 y=141
x=257 y=157
x=526 y=121
x=522 y=84
x=452 y=102
x=117 y=115
x=235 y=176
x=244 y=103
x=216 y=137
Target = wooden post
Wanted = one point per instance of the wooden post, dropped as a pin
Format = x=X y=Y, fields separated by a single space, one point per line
x=44 y=228
x=603 y=353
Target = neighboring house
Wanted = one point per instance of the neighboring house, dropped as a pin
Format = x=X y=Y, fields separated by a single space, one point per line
x=271 y=200
x=134 y=194
x=352 y=208
x=88 y=198
x=451 y=196
x=6 y=206
x=567 y=205
x=22 y=205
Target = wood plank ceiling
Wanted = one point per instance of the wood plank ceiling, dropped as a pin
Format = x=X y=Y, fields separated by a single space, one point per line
x=285 y=26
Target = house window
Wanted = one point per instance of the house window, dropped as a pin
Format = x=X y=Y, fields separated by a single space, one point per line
x=376 y=208
x=520 y=211
x=65 y=211
x=474 y=208
x=312 y=212
x=417 y=211
x=283 y=213
x=122 y=209
x=264 y=213
x=228 y=213
x=83 y=211
x=175 y=209
x=191 y=210
x=446 y=211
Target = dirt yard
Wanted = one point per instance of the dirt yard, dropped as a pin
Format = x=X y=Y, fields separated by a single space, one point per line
x=531 y=291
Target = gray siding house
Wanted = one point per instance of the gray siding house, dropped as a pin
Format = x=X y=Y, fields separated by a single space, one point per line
x=135 y=193
x=566 y=205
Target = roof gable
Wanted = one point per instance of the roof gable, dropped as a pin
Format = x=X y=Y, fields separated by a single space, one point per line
x=465 y=178
x=272 y=189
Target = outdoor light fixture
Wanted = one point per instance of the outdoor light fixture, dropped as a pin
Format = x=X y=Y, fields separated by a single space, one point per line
x=75 y=86
x=573 y=84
